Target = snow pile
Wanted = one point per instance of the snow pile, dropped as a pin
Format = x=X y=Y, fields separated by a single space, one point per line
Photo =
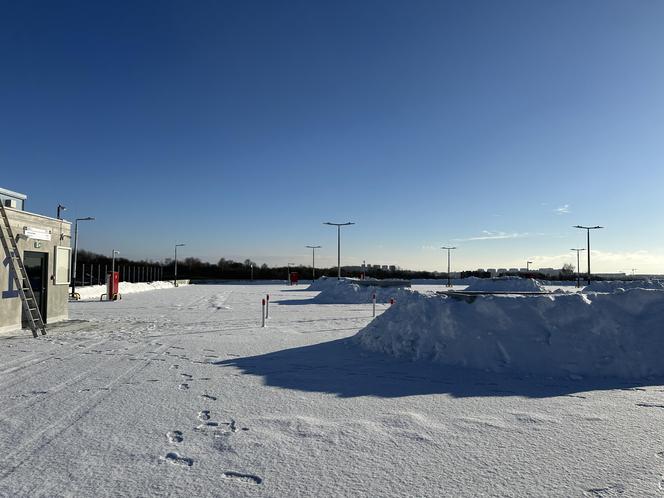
x=616 y=335
x=95 y=291
x=613 y=285
x=506 y=284
x=348 y=292
x=324 y=283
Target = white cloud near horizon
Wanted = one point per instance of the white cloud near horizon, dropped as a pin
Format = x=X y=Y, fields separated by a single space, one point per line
x=564 y=209
x=489 y=235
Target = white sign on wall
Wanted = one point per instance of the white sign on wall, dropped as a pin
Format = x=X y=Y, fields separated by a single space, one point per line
x=36 y=233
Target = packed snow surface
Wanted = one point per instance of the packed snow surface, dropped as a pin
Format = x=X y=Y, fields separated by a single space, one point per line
x=614 y=285
x=600 y=335
x=95 y=291
x=505 y=284
x=346 y=291
x=180 y=392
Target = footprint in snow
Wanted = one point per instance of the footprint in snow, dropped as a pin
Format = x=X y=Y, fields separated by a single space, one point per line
x=183 y=387
x=175 y=458
x=207 y=396
x=174 y=367
x=175 y=436
x=242 y=478
x=186 y=376
x=204 y=415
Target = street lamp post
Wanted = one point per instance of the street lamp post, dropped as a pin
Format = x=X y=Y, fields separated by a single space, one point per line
x=528 y=263
x=313 y=261
x=175 y=268
x=339 y=225
x=61 y=208
x=289 y=267
x=113 y=261
x=73 y=280
x=448 y=249
x=588 y=229
x=578 y=264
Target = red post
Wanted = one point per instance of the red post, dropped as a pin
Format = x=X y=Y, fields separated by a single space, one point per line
x=391 y=301
x=263 y=314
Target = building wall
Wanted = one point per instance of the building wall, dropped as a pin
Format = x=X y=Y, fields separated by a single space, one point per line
x=11 y=310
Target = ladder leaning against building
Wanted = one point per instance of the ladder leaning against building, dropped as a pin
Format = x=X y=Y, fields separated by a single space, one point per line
x=17 y=270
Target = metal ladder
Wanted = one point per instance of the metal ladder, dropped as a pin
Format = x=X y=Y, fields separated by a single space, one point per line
x=17 y=269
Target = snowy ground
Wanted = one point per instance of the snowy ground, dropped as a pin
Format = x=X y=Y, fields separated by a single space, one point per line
x=180 y=392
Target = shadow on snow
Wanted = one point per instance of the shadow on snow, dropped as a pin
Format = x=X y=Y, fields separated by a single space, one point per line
x=340 y=367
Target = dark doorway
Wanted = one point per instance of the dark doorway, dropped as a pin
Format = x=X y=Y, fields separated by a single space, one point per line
x=36 y=266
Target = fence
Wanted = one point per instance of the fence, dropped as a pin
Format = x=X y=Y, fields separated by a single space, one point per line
x=91 y=274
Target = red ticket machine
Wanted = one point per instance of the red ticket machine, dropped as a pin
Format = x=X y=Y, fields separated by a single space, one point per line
x=113 y=285
x=294 y=278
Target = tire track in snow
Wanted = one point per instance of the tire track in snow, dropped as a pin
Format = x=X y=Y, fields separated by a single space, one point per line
x=43 y=438
x=62 y=385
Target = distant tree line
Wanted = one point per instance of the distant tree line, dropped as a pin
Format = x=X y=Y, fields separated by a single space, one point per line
x=228 y=269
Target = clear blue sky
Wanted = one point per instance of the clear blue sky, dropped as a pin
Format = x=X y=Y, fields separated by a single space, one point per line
x=239 y=127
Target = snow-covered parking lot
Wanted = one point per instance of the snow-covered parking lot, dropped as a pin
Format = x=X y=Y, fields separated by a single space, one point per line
x=181 y=392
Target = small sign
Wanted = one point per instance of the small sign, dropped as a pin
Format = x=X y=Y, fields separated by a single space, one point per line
x=37 y=233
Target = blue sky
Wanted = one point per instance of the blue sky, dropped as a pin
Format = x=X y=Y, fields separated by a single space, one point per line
x=239 y=127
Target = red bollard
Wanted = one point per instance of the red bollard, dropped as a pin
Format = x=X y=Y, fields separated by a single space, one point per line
x=392 y=301
x=267 y=306
x=263 y=314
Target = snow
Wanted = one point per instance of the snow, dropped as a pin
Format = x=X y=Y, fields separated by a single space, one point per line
x=180 y=392
x=505 y=284
x=347 y=291
x=600 y=335
x=614 y=285
x=93 y=292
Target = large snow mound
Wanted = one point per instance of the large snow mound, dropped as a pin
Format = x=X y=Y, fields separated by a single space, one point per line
x=324 y=283
x=615 y=335
x=95 y=291
x=506 y=284
x=614 y=285
x=348 y=292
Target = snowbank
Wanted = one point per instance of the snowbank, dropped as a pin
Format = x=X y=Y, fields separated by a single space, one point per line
x=324 y=283
x=347 y=292
x=95 y=291
x=613 y=285
x=506 y=284
x=616 y=335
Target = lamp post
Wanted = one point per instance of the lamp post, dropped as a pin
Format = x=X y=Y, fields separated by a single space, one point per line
x=73 y=280
x=528 y=263
x=175 y=269
x=252 y=271
x=113 y=261
x=578 y=264
x=588 y=229
x=339 y=225
x=313 y=261
x=448 y=249
x=61 y=208
x=289 y=266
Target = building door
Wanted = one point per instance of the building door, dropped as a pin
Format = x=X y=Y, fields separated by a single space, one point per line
x=36 y=266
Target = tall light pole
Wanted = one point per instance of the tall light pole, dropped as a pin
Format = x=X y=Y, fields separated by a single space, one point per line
x=528 y=263
x=588 y=229
x=339 y=225
x=313 y=261
x=289 y=265
x=73 y=280
x=61 y=208
x=175 y=269
x=115 y=251
x=578 y=264
x=449 y=250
